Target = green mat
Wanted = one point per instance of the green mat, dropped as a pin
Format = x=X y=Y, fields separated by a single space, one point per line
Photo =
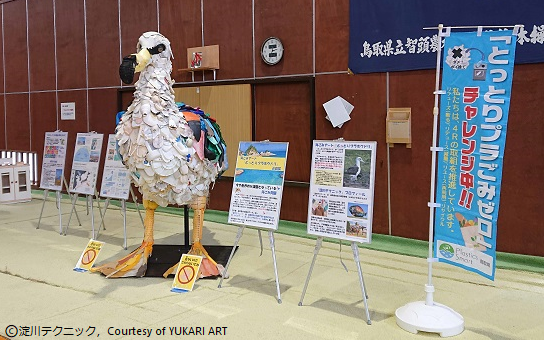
x=386 y=243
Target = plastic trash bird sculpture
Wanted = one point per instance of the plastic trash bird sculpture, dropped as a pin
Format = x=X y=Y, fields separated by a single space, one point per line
x=174 y=152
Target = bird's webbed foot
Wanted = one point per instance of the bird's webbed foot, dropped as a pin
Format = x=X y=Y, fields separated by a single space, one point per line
x=134 y=264
x=208 y=267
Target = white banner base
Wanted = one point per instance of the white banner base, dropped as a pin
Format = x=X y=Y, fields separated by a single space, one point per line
x=435 y=318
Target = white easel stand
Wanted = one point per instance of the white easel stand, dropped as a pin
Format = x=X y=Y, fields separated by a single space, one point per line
x=92 y=214
x=355 y=250
x=124 y=212
x=238 y=237
x=90 y=202
x=58 y=201
x=429 y=316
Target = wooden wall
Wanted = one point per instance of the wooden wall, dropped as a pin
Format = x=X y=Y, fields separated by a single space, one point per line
x=58 y=51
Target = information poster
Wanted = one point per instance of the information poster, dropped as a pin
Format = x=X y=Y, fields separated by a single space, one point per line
x=54 y=158
x=258 y=184
x=115 y=177
x=85 y=163
x=342 y=190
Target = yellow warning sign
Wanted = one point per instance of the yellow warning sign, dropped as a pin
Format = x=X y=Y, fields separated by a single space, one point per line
x=89 y=255
x=187 y=273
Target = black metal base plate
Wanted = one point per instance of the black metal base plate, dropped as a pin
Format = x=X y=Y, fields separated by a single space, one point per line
x=165 y=256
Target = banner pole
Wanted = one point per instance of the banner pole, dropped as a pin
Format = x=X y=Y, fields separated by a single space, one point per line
x=427 y=315
x=429 y=289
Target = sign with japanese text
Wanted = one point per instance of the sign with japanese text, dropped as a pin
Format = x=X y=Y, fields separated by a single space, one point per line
x=388 y=35
x=186 y=273
x=258 y=184
x=342 y=190
x=477 y=78
x=68 y=111
x=54 y=158
x=89 y=255
x=115 y=177
x=85 y=163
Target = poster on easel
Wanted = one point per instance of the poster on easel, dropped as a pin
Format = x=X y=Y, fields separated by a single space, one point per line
x=85 y=163
x=342 y=190
x=54 y=158
x=115 y=177
x=258 y=184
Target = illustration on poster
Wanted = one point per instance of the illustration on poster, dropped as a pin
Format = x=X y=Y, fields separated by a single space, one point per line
x=81 y=180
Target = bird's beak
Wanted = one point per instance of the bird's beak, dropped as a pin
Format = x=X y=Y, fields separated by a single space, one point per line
x=142 y=59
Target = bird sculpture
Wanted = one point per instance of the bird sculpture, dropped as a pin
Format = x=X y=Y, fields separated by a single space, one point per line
x=354 y=171
x=173 y=151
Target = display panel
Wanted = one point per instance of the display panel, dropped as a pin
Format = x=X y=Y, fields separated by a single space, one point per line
x=258 y=184
x=115 y=177
x=85 y=163
x=342 y=190
x=54 y=158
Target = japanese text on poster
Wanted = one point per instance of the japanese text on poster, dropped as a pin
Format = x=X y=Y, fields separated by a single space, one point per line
x=85 y=164
x=115 y=177
x=342 y=190
x=258 y=184
x=477 y=79
x=54 y=158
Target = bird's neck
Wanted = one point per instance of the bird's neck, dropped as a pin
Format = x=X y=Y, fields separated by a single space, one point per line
x=157 y=71
x=162 y=64
x=155 y=81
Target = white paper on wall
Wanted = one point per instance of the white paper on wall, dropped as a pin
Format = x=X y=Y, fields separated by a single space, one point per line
x=338 y=111
x=67 y=111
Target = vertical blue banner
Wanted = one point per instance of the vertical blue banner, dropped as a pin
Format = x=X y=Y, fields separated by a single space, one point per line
x=477 y=78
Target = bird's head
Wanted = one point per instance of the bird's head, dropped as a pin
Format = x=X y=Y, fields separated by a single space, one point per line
x=151 y=45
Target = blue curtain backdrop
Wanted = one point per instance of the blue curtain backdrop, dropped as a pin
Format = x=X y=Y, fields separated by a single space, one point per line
x=388 y=35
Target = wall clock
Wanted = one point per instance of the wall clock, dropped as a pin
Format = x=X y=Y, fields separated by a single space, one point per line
x=272 y=51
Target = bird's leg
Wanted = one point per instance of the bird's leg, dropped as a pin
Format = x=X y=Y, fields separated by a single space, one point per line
x=149 y=221
x=135 y=263
x=208 y=267
x=198 y=222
